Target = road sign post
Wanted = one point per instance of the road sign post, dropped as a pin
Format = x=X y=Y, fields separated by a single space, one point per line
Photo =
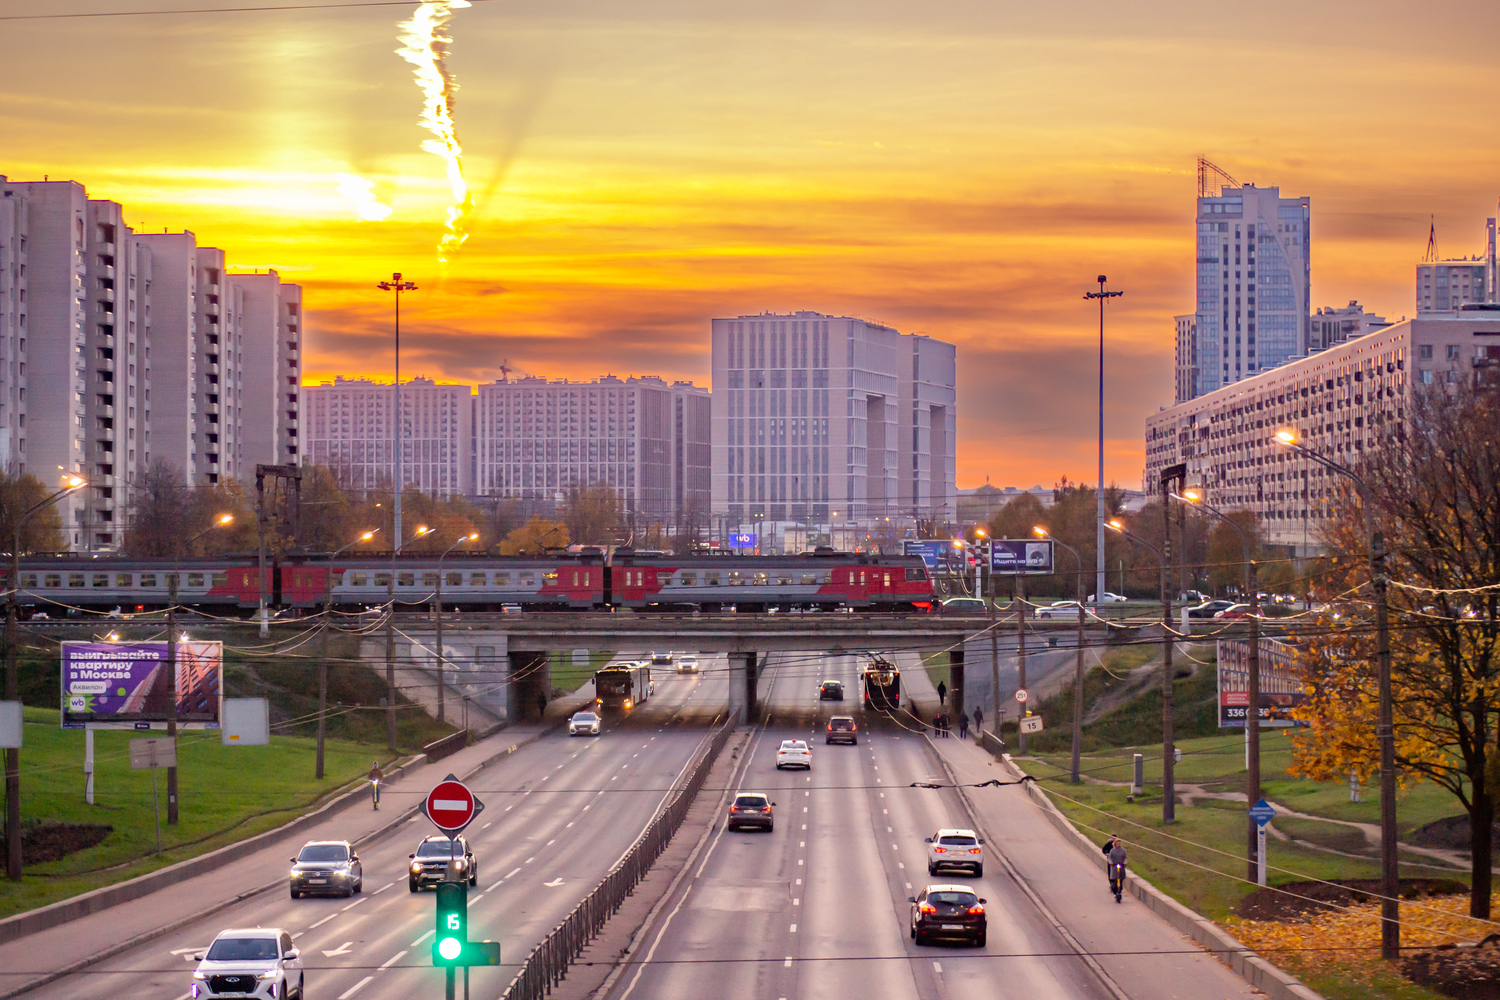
x=1031 y=724
x=451 y=807
x=1262 y=812
x=154 y=752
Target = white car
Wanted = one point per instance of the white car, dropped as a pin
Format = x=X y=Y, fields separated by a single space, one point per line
x=793 y=753
x=250 y=962
x=583 y=724
x=687 y=664
x=1110 y=598
x=955 y=849
x=1058 y=609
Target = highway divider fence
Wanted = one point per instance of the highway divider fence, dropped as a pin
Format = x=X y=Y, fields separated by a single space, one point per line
x=548 y=962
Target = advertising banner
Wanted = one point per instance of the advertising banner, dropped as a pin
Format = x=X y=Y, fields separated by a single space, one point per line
x=741 y=541
x=939 y=554
x=1020 y=556
x=1281 y=685
x=124 y=685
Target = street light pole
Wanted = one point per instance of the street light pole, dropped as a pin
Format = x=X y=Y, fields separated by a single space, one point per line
x=1099 y=569
x=390 y=644
x=13 y=679
x=1075 y=777
x=323 y=642
x=1252 y=685
x=397 y=458
x=1390 y=880
x=439 y=602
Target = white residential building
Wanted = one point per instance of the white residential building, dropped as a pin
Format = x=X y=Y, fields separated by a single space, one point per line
x=350 y=429
x=814 y=414
x=1346 y=402
x=1254 y=279
x=263 y=388
x=643 y=437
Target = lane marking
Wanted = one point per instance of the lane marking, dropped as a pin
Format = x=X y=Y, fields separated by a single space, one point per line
x=550 y=842
x=801 y=843
x=382 y=889
x=510 y=873
x=900 y=865
x=342 y=949
x=937 y=967
x=799 y=881
x=488 y=825
x=570 y=824
x=355 y=988
x=528 y=861
x=393 y=959
x=788 y=963
x=320 y=923
x=554 y=883
x=908 y=885
x=804 y=826
x=796 y=901
x=794 y=929
x=424 y=937
x=354 y=904
x=799 y=861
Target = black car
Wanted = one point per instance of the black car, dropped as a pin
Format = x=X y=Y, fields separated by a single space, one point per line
x=326 y=866
x=429 y=865
x=841 y=729
x=947 y=911
x=831 y=691
x=1208 y=609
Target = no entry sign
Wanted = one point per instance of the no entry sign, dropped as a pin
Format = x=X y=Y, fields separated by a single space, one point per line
x=451 y=806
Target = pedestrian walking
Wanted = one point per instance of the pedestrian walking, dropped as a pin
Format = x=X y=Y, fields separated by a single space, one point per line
x=541 y=707
x=963 y=725
x=942 y=692
x=978 y=718
x=937 y=725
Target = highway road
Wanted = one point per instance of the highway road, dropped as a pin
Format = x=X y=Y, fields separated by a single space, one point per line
x=558 y=814
x=819 y=906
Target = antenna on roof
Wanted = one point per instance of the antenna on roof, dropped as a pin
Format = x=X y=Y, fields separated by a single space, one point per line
x=1432 y=254
x=1208 y=175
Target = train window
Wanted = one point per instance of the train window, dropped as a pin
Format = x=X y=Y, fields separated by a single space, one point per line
x=476 y=579
x=665 y=580
x=784 y=580
x=575 y=582
x=55 y=580
x=430 y=580
x=549 y=579
x=409 y=580
x=734 y=579
x=222 y=580
x=195 y=579
x=148 y=579
x=689 y=579
x=585 y=578
x=862 y=583
x=888 y=583
x=851 y=580
x=382 y=579
x=457 y=580
x=75 y=579
x=811 y=579
x=123 y=579
x=712 y=580
x=503 y=580
x=28 y=579
x=760 y=580
x=526 y=579
x=827 y=578
x=335 y=577
x=102 y=580
x=917 y=573
x=359 y=580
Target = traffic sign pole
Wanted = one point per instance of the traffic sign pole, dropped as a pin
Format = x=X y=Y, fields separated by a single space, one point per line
x=1262 y=812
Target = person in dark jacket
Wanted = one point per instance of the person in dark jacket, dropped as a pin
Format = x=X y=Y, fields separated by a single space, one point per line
x=942 y=690
x=963 y=725
x=1114 y=853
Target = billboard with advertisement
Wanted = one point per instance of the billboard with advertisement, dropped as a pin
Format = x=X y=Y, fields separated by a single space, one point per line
x=1020 y=556
x=940 y=554
x=1281 y=684
x=124 y=685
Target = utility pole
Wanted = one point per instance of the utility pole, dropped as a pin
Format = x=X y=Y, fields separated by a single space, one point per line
x=1099 y=568
x=1172 y=473
x=172 y=695
x=1020 y=656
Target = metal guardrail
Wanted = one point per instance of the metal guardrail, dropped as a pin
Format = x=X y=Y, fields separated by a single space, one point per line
x=447 y=746
x=548 y=962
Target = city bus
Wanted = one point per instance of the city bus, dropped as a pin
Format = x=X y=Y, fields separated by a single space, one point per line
x=622 y=686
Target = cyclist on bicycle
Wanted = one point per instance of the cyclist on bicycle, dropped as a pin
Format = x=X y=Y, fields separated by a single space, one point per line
x=1114 y=853
x=375 y=775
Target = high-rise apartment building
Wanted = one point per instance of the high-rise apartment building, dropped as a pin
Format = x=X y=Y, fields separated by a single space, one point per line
x=1254 y=280
x=350 y=429
x=1444 y=285
x=814 y=414
x=1187 y=356
x=268 y=371
x=1329 y=327
x=645 y=438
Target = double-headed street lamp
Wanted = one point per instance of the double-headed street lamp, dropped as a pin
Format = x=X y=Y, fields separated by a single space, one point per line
x=328 y=624
x=1252 y=713
x=1168 y=745
x=438 y=596
x=1390 y=885
x=1078 y=660
x=71 y=484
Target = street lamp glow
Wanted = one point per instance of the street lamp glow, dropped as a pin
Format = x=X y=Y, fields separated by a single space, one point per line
x=1286 y=436
x=422 y=529
x=73 y=482
x=368 y=535
x=958 y=543
x=226 y=518
x=1192 y=496
x=1040 y=531
x=474 y=537
x=1115 y=524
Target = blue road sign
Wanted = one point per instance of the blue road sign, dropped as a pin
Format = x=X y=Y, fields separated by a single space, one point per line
x=1262 y=812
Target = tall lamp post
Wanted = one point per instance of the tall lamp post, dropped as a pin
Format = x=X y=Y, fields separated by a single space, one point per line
x=439 y=602
x=1078 y=660
x=323 y=655
x=397 y=458
x=1103 y=296
x=1252 y=714
x=1168 y=744
x=390 y=641
x=71 y=484
x=1390 y=885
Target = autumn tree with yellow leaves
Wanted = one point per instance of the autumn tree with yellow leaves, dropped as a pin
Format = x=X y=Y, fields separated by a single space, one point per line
x=1435 y=492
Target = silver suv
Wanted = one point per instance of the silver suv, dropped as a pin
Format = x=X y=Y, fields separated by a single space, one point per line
x=250 y=962
x=955 y=849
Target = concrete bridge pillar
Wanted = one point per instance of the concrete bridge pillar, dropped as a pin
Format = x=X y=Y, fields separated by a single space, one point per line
x=744 y=703
x=955 y=683
x=530 y=687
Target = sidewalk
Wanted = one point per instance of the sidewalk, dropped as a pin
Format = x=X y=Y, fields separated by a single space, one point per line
x=221 y=878
x=1140 y=950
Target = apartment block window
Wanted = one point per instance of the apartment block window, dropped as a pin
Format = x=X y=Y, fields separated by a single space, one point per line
x=1424 y=352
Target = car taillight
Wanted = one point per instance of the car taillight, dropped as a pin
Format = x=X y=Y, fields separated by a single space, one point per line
x=927 y=908
x=852 y=727
x=940 y=850
x=765 y=809
x=976 y=909
x=976 y=850
x=734 y=809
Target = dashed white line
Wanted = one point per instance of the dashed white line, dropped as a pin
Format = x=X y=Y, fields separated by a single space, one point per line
x=488 y=825
x=801 y=843
x=938 y=966
x=900 y=865
x=550 y=842
x=393 y=959
x=528 y=861
x=424 y=937
x=570 y=824
x=799 y=881
x=382 y=889
x=354 y=904
x=788 y=963
x=796 y=901
x=908 y=885
x=320 y=923
x=804 y=826
x=510 y=873
x=799 y=861
x=794 y=929
x=355 y=988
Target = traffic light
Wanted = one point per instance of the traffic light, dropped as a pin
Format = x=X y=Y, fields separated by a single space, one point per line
x=452 y=947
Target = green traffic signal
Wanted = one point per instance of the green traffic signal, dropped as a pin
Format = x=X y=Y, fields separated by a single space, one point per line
x=452 y=923
x=449 y=949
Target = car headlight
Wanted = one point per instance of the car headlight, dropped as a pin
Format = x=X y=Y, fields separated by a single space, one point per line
x=415 y=867
x=199 y=975
x=458 y=863
x=294 y=873
x=269 y=974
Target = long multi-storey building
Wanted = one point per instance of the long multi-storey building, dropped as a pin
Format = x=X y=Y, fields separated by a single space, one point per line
x=814 y=414
x=645 y=438
x=1254 y=280
x=350 y=429
x=1346 y=402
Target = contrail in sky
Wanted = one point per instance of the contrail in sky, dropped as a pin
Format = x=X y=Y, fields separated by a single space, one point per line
x=424 y=44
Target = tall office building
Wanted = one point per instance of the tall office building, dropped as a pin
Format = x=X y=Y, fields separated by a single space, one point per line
x=643 y=437
x=1254 y=280
x=816 y=414
x=349 y=429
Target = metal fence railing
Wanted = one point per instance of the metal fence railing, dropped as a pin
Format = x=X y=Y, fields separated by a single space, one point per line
x=548 y=962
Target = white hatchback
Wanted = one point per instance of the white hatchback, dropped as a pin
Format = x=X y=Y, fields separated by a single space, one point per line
x=256 y=962
x=794 y=753
x=955 y=849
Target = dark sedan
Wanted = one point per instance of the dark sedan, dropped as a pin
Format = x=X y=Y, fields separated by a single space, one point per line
x=947 y=911
x=326 y=866
x=429 y=865
x=1208 y=609
x=831 y=691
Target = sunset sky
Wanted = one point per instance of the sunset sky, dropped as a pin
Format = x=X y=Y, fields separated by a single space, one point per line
x=958 y=168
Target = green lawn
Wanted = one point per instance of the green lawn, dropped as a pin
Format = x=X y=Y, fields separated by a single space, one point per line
x=226 y=794
x=568 y=677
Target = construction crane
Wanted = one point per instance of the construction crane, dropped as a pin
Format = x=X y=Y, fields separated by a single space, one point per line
x=1212 y=179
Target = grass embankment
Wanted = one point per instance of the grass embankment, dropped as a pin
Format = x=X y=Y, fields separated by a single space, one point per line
x=568 y=676
x=225 y=794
